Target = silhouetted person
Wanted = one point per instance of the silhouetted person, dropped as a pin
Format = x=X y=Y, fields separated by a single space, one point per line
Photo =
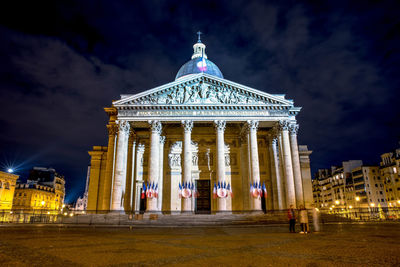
x=292 y=219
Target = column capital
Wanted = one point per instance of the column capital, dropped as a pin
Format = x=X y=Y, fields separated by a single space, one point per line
x=283 y=125
x=123 y=127
x=293 y=128
x=112 y=129
x=141 y=148
x=252 y=125
x=162 y=140
x=187 y=125
x=156 y=126
x=220 y=125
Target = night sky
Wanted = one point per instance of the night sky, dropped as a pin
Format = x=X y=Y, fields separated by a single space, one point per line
x=61 y=62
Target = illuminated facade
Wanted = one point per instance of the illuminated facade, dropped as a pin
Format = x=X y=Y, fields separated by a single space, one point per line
x=351 y=187
x=7 y=187
x=389 y=170
x=44 y=190
x=198 y=136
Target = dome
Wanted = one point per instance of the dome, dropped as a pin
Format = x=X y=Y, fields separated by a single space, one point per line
x=199 y=65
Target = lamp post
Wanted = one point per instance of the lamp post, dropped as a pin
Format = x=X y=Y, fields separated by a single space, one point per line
x=357 y=205
x=41 y=210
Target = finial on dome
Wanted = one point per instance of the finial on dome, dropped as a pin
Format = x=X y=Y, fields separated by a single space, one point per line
x=199 y=48
x=199 y=33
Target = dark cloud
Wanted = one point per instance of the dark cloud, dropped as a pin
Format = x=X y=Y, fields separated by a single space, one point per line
x=63 y=61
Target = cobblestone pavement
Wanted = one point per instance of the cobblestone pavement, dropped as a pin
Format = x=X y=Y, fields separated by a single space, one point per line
x=371 y=244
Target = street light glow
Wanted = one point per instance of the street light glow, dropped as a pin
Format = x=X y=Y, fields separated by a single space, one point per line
x=10 y=170
x=350 y=207
x=372 y=204
x=337 y=202
x=357 y=198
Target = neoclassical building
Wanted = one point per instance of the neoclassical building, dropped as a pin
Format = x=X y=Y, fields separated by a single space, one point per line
x=200 y=144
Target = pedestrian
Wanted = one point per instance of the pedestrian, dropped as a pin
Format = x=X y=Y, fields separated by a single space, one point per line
x=315 y=215
x=303 y=217
x=292 y=219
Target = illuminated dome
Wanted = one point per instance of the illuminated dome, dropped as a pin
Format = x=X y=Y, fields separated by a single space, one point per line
x=199 y=63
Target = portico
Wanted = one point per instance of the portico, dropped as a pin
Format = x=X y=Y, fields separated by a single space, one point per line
x=165 y=142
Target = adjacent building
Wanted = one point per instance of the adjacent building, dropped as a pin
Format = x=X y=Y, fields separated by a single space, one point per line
x=179 y=141
x=7 y=187
x=389 y=171
x=44 y=190
x=81 y=202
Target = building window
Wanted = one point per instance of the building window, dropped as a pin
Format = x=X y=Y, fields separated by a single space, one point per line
x=381 y=192
x=1 y=184
x=7 y=185
x=382 y=200
x=376 y=185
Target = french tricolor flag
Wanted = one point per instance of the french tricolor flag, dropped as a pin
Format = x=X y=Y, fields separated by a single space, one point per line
x=143 y=191
x=265 y=190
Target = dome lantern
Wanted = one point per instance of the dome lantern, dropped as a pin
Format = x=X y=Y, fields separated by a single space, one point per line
x=199 y=62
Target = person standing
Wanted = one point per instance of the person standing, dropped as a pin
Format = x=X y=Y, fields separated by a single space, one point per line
x=303 y=217
x=292 y=219
x=315 y=215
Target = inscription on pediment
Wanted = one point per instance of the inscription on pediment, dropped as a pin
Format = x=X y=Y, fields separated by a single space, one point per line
x=201 y=93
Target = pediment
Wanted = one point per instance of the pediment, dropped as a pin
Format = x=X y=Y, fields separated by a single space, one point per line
x=203 y=90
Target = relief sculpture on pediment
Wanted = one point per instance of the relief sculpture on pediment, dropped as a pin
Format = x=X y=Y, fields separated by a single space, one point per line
x=202 y=93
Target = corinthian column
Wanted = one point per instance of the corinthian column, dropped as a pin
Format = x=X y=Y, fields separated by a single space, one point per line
x=288 y=167
x=120 y=165
x=296 y=164
x=160 y=179
x=220 y=128
x=105 y=196
x=255 y=165
x=154 y=160
x=187 y=161
x=276 y=176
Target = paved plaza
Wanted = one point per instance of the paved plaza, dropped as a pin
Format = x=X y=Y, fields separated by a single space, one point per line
x=369 y=244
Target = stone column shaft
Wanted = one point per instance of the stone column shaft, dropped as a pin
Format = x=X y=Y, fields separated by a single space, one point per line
x=160 y=179
x=133 y=177
x=154 y=160
x=220 y=128
x=255 y=165
x=187 y=162
x=129 y=168
x=277 y=177
x=120 y=166
x=296 y=165
x=105 y=196
x=288 y=167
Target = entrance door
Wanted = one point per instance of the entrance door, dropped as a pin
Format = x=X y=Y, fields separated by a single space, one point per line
x=203 y=200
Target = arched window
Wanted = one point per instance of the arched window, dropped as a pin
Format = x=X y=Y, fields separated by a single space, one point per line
x=7 y=185
x=1 y=184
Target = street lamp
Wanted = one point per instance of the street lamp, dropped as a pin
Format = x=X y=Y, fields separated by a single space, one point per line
x=357 y=198
x=337 y=202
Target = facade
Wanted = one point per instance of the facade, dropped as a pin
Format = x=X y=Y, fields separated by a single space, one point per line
x=44 y=190
x=354 y=189
x=200 y=144
x=389 y=171
x=7 y=187
x=81 y=202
